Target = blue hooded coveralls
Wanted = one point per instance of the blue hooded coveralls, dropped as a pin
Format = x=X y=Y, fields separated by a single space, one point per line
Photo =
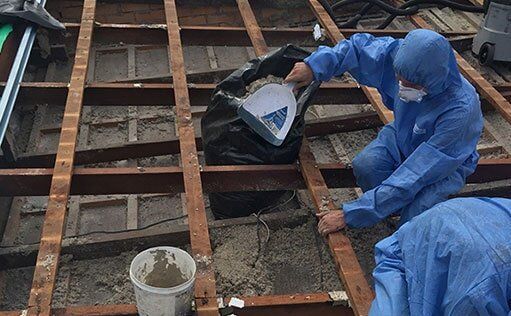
x=454 y=259
x=427 y=152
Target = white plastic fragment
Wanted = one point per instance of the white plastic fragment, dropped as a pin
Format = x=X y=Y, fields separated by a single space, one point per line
x=137 y=85
x=236 y=302
x=339 y=298
x=318 y=33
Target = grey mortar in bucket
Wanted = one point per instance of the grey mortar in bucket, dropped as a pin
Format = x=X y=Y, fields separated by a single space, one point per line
x=165 y=272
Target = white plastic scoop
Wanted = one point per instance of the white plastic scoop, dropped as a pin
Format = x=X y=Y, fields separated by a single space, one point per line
x=270 y=111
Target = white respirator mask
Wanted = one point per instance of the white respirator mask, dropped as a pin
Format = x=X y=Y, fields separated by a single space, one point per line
x=407 y=94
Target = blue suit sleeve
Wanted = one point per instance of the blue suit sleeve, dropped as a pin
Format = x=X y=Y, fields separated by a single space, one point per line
x=367 y=58
x=389 y=280
x=432 y=161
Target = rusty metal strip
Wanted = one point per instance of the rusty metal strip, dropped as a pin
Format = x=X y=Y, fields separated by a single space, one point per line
x=336 y=36
x=205 y=288
x=47 y=261
x=350 y=271
x=482 y=85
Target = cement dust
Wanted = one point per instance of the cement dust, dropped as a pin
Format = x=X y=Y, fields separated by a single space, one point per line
x=293 y=261
x=259 y=83
x=165 y=272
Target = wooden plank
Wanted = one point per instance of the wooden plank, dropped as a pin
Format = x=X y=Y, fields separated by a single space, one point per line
x=13 y=222
x=205 y=288
x=91 y=68
x=73 y=216
x=132 y=212
x=336 y=36
x=155 y=94
x=477 y=2
x=275 y=305
x=141 y=149
x=48 y=257
x=169 y=180
x=84 y=132
x=104 y=245
x=485 y=149
x=350 y=271
x=132 y=64
x=353 y=277
x=192 y=35
x=212 y=57
x=253 y=30
x=482 y=85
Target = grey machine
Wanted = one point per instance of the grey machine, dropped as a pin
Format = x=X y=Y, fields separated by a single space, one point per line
x=493 y=41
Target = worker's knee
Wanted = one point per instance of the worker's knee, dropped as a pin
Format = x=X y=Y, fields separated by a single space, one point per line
x=358 y=163
x=370 y=169
x=365 y=163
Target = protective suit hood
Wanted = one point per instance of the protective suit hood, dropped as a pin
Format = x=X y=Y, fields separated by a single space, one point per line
x=426 y=58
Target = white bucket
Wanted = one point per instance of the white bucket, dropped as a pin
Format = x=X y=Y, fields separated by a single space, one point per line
x=151 y=274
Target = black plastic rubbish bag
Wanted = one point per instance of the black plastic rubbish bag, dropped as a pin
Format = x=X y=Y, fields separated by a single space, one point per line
x=28 y=10
x=228 y=140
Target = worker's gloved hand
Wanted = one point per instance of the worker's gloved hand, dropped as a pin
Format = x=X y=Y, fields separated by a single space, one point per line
x=301 y=74
x=330 y=221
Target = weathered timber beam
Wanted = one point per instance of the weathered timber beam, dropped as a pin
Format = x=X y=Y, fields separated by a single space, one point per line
x=156 y=34
x=104 y=245
x=45 y=273
x=200 y=244
x=500 y=189
x=140 y=149
x=26 y=182
x=124 y=94
x=304 y=304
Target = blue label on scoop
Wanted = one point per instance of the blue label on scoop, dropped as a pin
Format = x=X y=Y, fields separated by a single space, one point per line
x=275 y=120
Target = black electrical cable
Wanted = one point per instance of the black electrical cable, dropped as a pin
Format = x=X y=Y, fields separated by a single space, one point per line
x=409 y=5
x=383 y=5
x=352 y=22
x=110 y=231
x=408 y=8
x=261 y=221
x=449 y=4
x=328 y=8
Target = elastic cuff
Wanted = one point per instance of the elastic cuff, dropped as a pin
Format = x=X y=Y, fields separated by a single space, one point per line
x=306 y=61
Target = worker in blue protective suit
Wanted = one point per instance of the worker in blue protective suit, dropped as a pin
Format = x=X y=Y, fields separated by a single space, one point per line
x=454 y=259
x=428 y=151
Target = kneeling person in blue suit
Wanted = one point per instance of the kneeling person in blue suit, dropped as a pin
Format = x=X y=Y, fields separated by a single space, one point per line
x=454 y=259
x=428 y=151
